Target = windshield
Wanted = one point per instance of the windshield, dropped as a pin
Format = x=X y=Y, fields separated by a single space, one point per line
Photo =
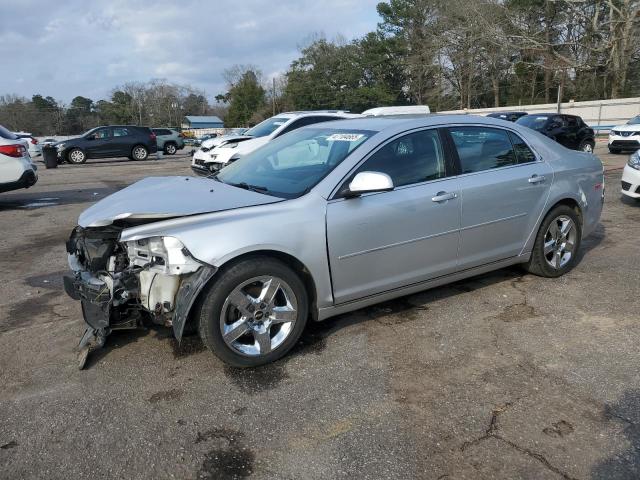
x=291 y=165
x=634 y=121
x=536 y=122
x=88 y=131
x=267 y=127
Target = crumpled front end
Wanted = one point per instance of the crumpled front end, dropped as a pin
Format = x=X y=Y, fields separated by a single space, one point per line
x=120 y=284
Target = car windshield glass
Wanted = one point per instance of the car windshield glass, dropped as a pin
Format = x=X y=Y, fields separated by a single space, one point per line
x=634 y=121
x=291 y=165
x=4 y=133
x=267 y=127
x=89 y=131
x=535 y=122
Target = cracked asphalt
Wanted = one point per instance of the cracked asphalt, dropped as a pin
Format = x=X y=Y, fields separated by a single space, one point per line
x=505 y=375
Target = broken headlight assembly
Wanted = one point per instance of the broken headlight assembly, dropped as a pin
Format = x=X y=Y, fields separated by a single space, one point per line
x=166 y=255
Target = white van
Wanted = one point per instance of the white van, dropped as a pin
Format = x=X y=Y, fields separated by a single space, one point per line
x=399 y=110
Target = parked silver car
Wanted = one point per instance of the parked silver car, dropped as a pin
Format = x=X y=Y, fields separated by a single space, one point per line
x=328 y=219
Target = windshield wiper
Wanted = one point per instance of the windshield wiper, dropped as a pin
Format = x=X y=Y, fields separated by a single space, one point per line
x=253 y=188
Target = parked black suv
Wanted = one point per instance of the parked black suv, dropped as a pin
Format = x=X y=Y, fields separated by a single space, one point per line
x=508 y=116
x=112 y=141
x=567 y=130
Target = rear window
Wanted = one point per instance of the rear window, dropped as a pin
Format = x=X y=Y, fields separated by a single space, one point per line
x=536 y=122
x=4 y=133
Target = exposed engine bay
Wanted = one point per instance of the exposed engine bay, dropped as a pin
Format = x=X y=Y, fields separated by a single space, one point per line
x=122 y=284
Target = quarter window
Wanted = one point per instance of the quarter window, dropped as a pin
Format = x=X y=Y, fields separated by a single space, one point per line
x=414 y=158
x=523 y=153
x=481 y=148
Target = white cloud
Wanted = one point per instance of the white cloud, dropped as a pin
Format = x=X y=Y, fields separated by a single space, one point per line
x=81 y=48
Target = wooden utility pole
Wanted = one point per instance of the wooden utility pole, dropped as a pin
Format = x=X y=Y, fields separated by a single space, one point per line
x=273 y=96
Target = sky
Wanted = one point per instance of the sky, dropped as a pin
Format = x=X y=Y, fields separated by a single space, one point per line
x=79 y=47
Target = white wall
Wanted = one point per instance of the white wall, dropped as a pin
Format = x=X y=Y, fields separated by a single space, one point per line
x=599 y=114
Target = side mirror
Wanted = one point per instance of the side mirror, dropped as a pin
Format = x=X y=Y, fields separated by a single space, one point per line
x=367 y=182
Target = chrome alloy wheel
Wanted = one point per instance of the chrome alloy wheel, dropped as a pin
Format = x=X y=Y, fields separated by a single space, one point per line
x=139 y=153
x=559 y=242
x=77 y=156
x=587 y=148
x=258 y=315
x=170 y=149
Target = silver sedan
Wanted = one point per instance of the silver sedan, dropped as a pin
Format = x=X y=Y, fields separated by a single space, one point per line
x=325 y=220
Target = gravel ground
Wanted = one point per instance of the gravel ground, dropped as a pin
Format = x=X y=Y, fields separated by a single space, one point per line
x=505 y=375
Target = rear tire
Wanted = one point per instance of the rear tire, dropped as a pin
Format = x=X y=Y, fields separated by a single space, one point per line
x=254 y=313
x=139 y=152
x=170 y=148
x=555 y=251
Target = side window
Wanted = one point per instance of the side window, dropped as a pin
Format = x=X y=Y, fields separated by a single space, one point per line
x=482 y=148
x=572 y=122
x=417 y=157
x=101 y=133
x=522 y=150
x=120 y=132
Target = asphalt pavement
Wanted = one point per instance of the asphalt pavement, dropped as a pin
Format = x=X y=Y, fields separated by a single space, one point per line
x=505 y=375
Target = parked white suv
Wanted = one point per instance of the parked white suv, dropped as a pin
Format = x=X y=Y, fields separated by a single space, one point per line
x=625 y=137
x=209 y=160
x=631 y=177
x=16 y=168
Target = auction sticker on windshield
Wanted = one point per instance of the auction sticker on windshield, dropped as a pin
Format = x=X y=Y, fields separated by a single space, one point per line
x=345 y=137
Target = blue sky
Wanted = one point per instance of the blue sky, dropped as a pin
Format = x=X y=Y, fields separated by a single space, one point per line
x=76 y=47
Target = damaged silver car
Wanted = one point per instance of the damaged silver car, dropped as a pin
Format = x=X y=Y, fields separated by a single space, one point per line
x=325 y=220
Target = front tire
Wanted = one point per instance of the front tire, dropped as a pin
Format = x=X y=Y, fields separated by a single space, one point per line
x=254 y=313
x=557 y=243
x=76 y=156
x=139 y=152
x=170 y=149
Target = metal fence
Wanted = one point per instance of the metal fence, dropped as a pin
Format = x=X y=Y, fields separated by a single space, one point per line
x=601 y=115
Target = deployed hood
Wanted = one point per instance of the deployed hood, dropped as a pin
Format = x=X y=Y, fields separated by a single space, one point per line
x=157 y=198
x=247 y=146
x=214 y=142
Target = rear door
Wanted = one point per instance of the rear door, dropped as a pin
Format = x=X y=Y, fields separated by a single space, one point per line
x=504 y=187
x=122 y=141
x=387 y=240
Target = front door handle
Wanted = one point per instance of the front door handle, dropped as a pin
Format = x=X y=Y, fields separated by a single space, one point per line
x=444 y=196
x=536 y=178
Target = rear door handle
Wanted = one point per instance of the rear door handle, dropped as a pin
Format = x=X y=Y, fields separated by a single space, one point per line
x=444 y=196
x=536 y=179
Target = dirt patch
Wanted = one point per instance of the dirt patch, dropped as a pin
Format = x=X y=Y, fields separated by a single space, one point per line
x=51 y=281
x=516 y=313
x=187 y=346
x=173 y=394
x=559 y=429
x=229 y=461
x=257 y=380
x=23 y=313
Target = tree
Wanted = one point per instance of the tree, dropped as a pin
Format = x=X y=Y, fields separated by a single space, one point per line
x=245 y=95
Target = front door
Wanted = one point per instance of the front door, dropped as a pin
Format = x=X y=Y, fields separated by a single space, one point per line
x=504 y=188
x=101 y=145
x=387 y=240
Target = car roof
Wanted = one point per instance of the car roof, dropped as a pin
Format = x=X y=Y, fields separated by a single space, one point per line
x=378 y=124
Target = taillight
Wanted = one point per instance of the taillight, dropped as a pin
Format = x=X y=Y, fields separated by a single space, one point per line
x=34 y=141
x=153 y=136
x=16 y=151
